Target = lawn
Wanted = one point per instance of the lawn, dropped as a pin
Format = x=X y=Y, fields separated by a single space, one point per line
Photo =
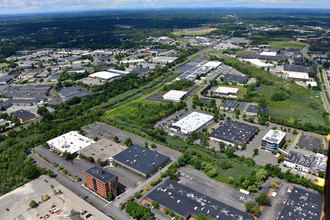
x=142 y=113
x=193 y=33
x=245 y=52
x=4 y=65
x=282 y=43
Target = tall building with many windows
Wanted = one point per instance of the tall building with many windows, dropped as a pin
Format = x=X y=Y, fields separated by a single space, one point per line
x=273 y=140
x=101 y=181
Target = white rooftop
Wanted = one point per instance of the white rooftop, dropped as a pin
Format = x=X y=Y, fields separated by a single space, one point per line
x=266 y=53
x=213 y=64
x=303 y=76
x=312 y=83
x=274 y=136
x=226 y=90
x=174 y=95
x=193 y=121
x=104 y=75
x=70 y=142
x=259 y=63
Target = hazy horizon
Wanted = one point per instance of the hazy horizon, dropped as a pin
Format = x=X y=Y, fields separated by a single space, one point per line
x=45 y=6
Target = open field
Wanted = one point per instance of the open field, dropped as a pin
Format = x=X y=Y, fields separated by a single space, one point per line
x=282 y=43
x=4 y=65
x=307 y=101
x=193 y=33
x=245 y=52
x=142 y=113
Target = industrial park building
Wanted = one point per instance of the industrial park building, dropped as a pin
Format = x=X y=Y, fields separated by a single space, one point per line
x=71 y=142
x=141 y=160
x=191 y=122
x=175 y=95
x=273 y=140
x=231 y=132
x=221 y=90
x=101 y=181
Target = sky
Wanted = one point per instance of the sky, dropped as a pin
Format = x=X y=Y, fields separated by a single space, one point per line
x=32 y=6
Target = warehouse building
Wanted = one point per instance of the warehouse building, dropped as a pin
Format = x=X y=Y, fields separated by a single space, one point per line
x=298 y=161
x=141 y=160
x=297 y=69
x=261 y=57
x=103 y=149
x=67 y=93
x=302 y=204
x=141 y=71
x=252 y=110
x=231 y=132
x=298 y=76
x=189 y=203
x=191 y=122
x=273 y=140
x=175 y=95
x=101 y=181
x=229 y=105
x=104 y=75
x=120 y=72
x=23 y=115
x=71 y=142
x=235 y=78
x=258 y=63
x=222 y=90
x=163 y=59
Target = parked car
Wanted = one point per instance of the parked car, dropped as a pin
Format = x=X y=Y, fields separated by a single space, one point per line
x=84 y=212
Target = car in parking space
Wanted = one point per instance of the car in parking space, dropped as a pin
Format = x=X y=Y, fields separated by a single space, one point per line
x=84 y=212
x=89 y=215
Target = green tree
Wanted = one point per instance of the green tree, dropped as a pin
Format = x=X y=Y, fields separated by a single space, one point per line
x=263 y=199
x=252 y=207
x=255 y=151
x=30 y=171
x=128 y=142
x=222 y=146
x=230 y=151
x=155 y=204
x=50 y=173
x=33 y=204
x=116 y=139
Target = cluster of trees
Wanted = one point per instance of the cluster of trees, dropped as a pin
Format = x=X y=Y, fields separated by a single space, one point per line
x=138 y=212
x=178 y=85
x=253 y=182
x=279 y=96
x=254 y=207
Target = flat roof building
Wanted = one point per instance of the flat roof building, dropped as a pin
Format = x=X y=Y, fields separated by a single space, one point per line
x=273 y=140
x=163 y=59
x=302 y=204
x=101 y=181
x=192 y=122
x=231 y=132
x=141 y=160
x=23 y=115
x=120 y=72
x=229 y=105
x=67 y=93
x=175 y=95
x=297 y=69
x=252 y=110
x=189 y=203
x=222 y=90
x=259 y=63
x=71 y=142
x=298 y=161
x=213 y=64
x=235 y=78
x=104 y=149
x=298 y=76
x=104 y=75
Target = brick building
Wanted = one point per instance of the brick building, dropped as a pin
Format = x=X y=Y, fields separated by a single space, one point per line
x=101 y=181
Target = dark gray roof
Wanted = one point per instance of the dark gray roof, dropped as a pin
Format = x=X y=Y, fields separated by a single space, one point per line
x=261 y=57
x=299 y=158
x=141 y=71
x=23 y=114
x=205 y=100
x=253 y=109
x=29 y=89
x=67 y=93
x=297 y=68
x=232 y=131
x=302 y=204
x=235 y=78
x=55 y=76
x=298 y=61
x=101 y=174
x=185 y=202
x=229 y=104
x=36 y=70
x=141 y=159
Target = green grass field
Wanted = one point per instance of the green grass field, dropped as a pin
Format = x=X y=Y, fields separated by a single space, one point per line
x=245 y=52
x=141 y=113
x=282 y=43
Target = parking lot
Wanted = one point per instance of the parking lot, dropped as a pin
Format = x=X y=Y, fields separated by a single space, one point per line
x=102 y=130
x=126 y=178
x=156 y=97
x=198 y=181
x=309 y=143
x=66 y=203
